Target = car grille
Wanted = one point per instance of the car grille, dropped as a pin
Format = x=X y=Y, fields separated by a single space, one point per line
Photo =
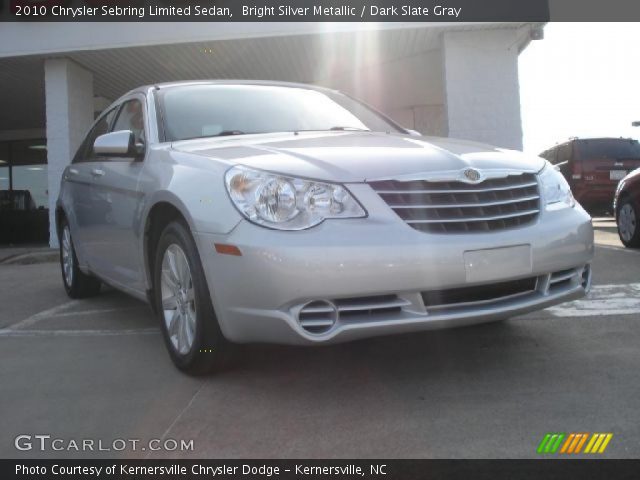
x=458 y=207
x=493 y=292
x=319 y=316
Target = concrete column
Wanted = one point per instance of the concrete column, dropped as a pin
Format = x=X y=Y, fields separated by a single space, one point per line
x=481 y=85
x=69 y=113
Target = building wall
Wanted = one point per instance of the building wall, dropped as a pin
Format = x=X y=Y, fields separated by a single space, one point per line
x=410 y=90
x=482 y=88
x=426 y=119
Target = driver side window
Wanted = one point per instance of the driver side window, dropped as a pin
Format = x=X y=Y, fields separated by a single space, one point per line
x=131 y=117
x=85 y=153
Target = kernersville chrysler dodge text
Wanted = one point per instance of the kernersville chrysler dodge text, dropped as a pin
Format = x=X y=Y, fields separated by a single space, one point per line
x=284 y=213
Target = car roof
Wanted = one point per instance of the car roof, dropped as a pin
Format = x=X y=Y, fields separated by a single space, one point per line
x=576 y=139
x=269 y=83
x=604 y=138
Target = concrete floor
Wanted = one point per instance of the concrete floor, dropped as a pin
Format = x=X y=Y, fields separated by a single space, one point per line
x=97 y=369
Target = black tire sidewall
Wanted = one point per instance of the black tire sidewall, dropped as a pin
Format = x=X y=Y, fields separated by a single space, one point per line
x=208 y=341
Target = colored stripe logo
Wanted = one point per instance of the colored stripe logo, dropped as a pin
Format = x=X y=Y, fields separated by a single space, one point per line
x=573 y=443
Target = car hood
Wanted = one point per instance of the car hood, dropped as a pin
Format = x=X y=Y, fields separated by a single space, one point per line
x=357 y=156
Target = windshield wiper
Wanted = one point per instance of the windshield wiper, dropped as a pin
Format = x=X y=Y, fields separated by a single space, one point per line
x=344 y=129
x=224 y=133
x=333 y=129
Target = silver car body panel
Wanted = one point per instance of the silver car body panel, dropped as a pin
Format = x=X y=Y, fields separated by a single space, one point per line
x=259 y=295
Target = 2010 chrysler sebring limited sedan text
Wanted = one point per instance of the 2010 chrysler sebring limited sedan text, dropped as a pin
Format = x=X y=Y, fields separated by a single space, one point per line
x=264 y=212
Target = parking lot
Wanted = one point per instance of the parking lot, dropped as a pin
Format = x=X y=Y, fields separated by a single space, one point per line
x=98 y=369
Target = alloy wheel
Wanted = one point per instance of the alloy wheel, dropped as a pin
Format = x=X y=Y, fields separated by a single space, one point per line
x=627 y=222
x=178 y=299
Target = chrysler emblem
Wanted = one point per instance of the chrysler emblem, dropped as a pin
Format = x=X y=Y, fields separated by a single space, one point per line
x=471 y=175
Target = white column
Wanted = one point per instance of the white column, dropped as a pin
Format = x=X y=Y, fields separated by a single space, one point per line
x=69 y=112
x=481 y=84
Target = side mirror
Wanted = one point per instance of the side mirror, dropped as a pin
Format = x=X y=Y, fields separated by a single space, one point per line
x=413 y=133
x=118 y=144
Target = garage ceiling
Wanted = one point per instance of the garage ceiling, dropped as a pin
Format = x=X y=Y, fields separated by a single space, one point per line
x=303 y=58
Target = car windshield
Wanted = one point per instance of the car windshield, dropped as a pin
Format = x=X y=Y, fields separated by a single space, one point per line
x=196 y=111
x=612 y=148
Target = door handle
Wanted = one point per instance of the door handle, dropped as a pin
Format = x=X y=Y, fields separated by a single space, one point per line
x=97 y=172
x=74 y=171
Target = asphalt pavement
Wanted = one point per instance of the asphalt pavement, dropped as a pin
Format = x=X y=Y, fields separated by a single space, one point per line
x=97 y=370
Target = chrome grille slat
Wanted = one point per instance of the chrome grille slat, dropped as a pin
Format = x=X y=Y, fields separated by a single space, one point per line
x=466 y=205
x=560 y=278
x=475 y=219
x=458 y=207
x=316 y=323
x=318 y=310
x=466 y=190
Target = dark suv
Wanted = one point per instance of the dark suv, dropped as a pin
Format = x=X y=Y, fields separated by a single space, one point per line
x=593 y=167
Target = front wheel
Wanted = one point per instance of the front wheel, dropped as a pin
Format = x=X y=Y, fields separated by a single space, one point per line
x=189 y=324
x=76 y=283
x=627 y=219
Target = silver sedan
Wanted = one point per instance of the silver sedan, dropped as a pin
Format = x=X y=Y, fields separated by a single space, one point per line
x=284 y=213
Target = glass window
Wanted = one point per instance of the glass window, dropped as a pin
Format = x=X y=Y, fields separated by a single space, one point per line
x=85 y=153
x=131 y=118
x=33 y=182
x=24 y=216
x=214 y=110
x=28 y=152
x=4 y=166
x=608 y=148
x=549 y=155
x=564 y=153
x=4 y=178
x=4 y=154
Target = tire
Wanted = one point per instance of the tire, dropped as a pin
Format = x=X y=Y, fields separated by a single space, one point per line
x=183 y=304
x=628 y=219
x=76 y=283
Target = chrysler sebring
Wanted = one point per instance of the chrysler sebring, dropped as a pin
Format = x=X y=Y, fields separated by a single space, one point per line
x=284 y=213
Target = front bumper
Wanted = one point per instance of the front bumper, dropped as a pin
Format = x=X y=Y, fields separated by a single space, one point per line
x=373 y=272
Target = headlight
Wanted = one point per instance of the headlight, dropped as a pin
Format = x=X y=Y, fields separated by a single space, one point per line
x=556 y=193
x=287 y=203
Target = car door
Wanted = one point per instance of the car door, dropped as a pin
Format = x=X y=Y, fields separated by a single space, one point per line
x=117 y=253
x=83 y=206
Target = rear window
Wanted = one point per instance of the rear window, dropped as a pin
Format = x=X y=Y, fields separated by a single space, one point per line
x=607 y=148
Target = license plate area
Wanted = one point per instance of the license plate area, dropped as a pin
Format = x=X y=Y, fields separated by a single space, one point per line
x=617 y=174
x=497 y=263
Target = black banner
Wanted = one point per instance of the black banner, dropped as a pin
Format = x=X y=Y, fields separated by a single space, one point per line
x=318 y=10
x=318 y=469
x=276 y=10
